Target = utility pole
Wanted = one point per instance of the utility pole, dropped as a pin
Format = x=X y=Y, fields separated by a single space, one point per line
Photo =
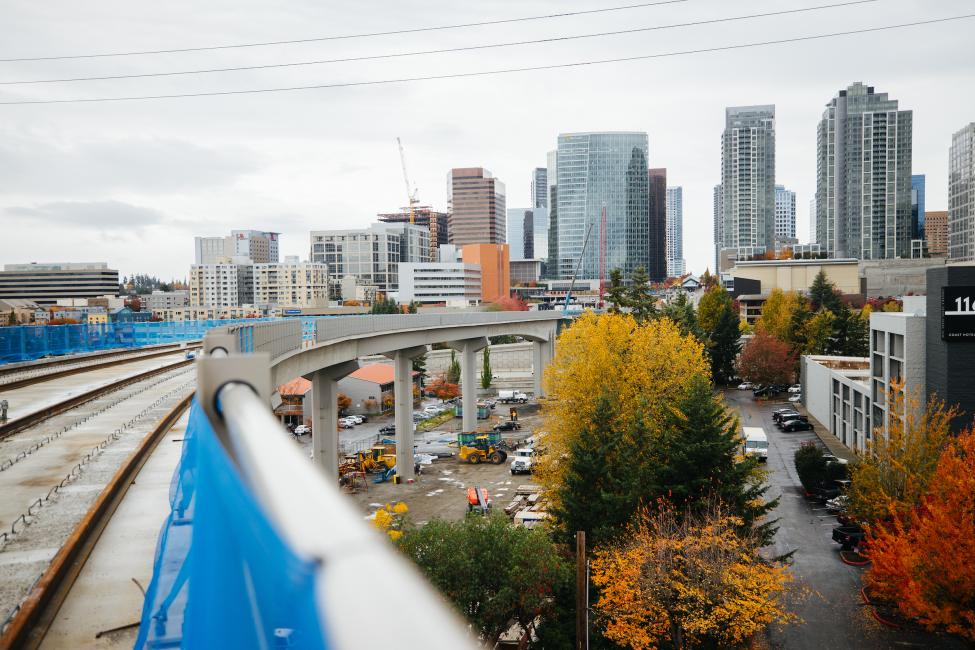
x=582 y=593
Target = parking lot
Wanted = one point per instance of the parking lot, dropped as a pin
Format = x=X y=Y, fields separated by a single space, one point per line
x=833 y=614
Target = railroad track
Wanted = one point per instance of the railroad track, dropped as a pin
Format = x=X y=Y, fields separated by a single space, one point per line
x=32 y=618
x=27 y=421
x=19 y=377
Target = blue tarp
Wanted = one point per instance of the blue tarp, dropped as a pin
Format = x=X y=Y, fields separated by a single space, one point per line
x=223 y=577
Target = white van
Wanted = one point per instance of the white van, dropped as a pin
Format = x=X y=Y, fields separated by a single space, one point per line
x=756 y=442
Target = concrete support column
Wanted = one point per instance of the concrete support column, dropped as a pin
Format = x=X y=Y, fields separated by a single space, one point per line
x=325 y=415
x=543 y=351
x=403 y=405
x=468 y=378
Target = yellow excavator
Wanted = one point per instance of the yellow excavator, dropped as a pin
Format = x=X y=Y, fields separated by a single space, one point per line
x=481 y=450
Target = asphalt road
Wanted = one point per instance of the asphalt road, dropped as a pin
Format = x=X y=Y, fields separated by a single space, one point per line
x=832 y=614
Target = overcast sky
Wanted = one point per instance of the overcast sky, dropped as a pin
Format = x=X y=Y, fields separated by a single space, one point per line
x=131 y=183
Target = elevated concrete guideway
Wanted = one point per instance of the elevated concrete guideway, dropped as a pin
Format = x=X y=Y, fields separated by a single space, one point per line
x=341 y=341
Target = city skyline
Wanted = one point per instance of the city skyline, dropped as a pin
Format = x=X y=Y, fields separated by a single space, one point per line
x=108 y=179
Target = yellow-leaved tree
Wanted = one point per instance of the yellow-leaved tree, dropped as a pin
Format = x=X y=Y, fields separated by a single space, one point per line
x=647 y=368
x=776 y=318
x=682 y=580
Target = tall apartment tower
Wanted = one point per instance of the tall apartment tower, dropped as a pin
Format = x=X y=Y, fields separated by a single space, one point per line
x=552 y=253
x=863 y=176
x=675 y=232
x=812 y=220
x=596 y=171
x=657 y=246
x=540 y=187
x=785 y=212
x=748 y=179
x=961 y=195
x=477 y=207
x=260 y=246
x=718 y=224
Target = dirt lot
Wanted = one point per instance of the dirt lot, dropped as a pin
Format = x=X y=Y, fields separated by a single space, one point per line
x=441 y=490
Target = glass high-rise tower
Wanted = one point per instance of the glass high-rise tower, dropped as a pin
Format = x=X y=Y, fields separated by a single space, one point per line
x=961 y=195
x=748 y=179
x=675 y=232
x=596 y=171
x=863 y=176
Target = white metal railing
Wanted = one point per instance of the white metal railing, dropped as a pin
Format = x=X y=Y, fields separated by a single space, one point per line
x=276 y=338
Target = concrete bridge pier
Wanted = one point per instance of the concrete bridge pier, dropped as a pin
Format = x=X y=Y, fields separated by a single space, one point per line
x=468 y=377
x=325 y=415
x=543 y=351
x=403 y=405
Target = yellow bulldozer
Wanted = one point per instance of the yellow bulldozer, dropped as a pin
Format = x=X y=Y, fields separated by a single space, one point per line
x=377 y=459
x=481 y=450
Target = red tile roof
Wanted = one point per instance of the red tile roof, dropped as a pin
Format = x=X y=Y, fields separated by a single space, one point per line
x=297 y=386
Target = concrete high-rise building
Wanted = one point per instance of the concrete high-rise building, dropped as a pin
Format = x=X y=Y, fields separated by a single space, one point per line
x=370 y=255
x=260 y=246
x=423 y=215
x=657 y=234
x=718 y=202
x=597 y=171
x=517 y=219
x=208 y=250
x=477 y=207
x=291 y=284
x=552 y=253
x=227 y=283
x=540 y=187
x=812 y=220
x=45 y=284
x=675 y=232
x=961 y=195
x=748 y=179
x=936 y=232
x=863 y=176
x=785 y=212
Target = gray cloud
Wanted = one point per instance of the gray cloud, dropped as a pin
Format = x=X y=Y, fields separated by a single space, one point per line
x=150 y=165
x=88 y=214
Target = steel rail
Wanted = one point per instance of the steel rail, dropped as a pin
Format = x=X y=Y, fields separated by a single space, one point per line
x=29 y=420
x=38 y=610
x=51 y=362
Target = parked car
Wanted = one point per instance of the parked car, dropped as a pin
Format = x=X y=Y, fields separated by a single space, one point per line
x=837 y=504
x=766 y=391
x=491 y=403
x=746 y=385
x=795 y=388
x=302 y=429
x=507 y=425
x=849 y=536
x=355 y=419
x=797 y=425
x=795 y=399
x=389 y=429
x=345 y=424
x=778 y=413
x=788 y=417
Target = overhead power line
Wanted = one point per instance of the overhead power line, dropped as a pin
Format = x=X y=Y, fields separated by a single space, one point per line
x=343 y=37
x=465 y=48
x=484 y=73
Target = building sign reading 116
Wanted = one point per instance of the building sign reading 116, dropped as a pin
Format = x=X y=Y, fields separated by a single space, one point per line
x=957 y=312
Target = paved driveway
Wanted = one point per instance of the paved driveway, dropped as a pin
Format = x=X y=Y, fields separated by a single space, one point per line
x=833 y=615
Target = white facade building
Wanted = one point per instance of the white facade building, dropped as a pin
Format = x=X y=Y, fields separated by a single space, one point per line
x=229 y=283
x=453 y=284
x=167 y=300
x=812 y=220
x=291 y=284
x=785 y=212
x=675 y=232
x=260 y=246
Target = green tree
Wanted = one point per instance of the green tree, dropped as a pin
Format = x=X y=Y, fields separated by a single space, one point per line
x=502 y=339
x=712 y=303
x=453 y=370
x=385 y=306
x=681 y=311
x=641 y=301
x=823 y=294
x=795 y=334
x=12 y=318
x=491 y=571
x=413 y=307
x=819 y=333
x=486 y=374
x=420 y=366
x=616 y=294
x=724 y=344
x=851 y=333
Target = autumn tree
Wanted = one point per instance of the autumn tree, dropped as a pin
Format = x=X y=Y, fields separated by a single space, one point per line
x=718 y=322
x=507 y=303
x=924 y=560
x=344 y=402
x=767 y=360
x=493 y=573
x=776 y=314
x=819 y=333
x=897 y=469
x=442 y=389
x=685 y=579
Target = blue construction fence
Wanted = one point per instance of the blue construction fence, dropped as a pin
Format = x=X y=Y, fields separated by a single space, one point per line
x=28 y=342
x=223 y=577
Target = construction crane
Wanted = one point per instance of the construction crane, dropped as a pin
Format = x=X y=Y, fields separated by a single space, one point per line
x=410 y=191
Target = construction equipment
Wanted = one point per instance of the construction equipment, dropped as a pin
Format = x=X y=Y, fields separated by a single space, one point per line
x=478 y=500
x=481 y=450
x=377 y=459
x=410 y=190
x=582 y=255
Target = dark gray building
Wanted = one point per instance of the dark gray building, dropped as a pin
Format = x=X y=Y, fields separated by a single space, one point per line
x=863 y=176
x=950 y=338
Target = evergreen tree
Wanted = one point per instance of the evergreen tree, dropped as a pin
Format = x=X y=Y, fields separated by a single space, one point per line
x=420 y=366
x=822 y=294
x=486 y=375
x=601 y=491
x=724 y=345
x=639 y=298
x=696 y=458
x=796 y=330
x=453 y=370
x=681 y=311
x=616 y=293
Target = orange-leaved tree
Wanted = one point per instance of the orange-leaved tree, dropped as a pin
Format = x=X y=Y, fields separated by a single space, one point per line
x=343 y=402
x=895 y=472
x=767 y=360
x=684 y=579
x=442 y=389
x=925 y=560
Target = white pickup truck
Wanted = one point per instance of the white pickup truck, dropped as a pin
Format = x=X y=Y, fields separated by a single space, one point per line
x=522 y=461
x=512 y=397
